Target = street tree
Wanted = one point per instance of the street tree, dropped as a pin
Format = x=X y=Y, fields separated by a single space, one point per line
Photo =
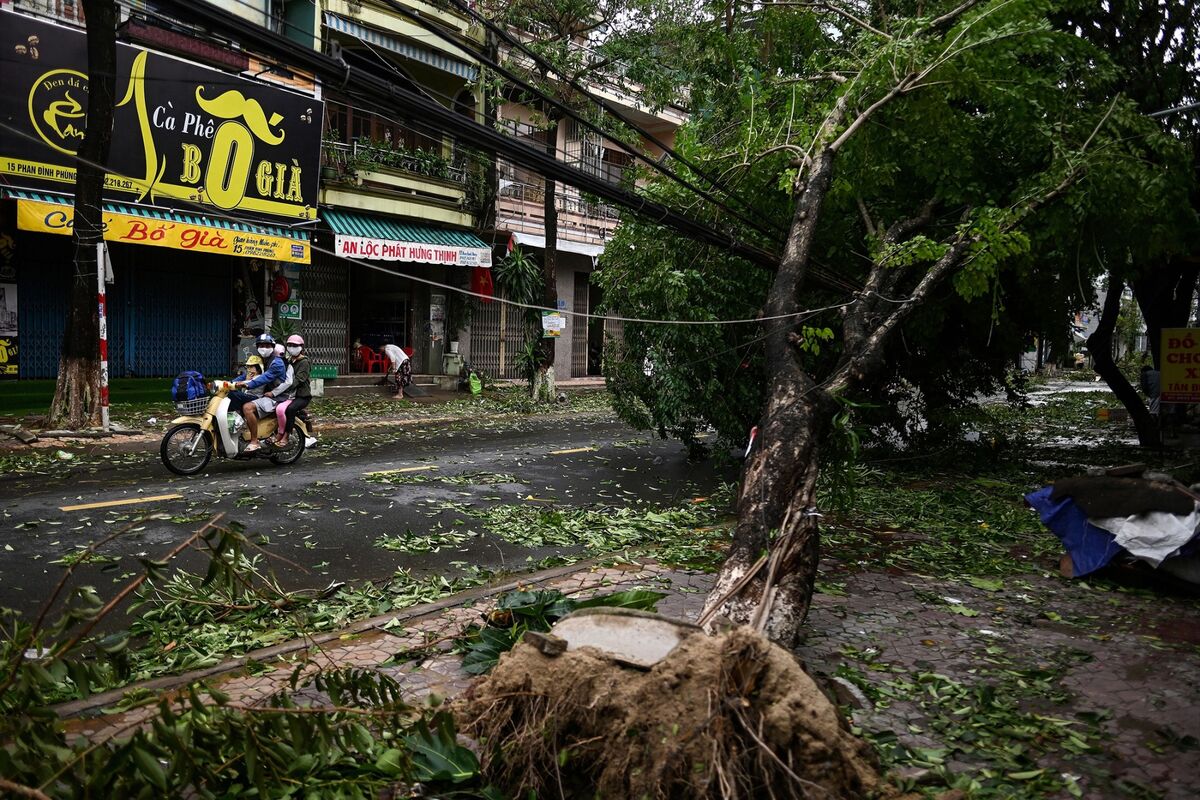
x=924 y=156
x=1158 y=48
x=76 y=402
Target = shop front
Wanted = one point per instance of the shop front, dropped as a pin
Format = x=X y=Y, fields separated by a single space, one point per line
x=392 y=266
x=182 y=300
x=208 y=203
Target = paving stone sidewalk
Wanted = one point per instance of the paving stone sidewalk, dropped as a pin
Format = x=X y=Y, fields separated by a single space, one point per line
x=1123 y=668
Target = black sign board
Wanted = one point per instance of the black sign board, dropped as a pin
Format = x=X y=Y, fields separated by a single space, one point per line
x=183 y=133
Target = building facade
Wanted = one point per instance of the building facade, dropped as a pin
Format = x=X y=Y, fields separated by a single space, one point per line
x=353 y=229
x=209 y=201
x=584 y=225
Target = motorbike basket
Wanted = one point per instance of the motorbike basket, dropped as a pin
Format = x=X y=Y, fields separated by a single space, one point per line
x=193 y=407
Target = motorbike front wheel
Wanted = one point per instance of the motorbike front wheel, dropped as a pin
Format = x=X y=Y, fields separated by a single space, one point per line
x=177 y=449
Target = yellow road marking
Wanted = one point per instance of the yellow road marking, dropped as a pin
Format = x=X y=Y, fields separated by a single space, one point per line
x=401 y=469
x=133 y=501
x=573 y=450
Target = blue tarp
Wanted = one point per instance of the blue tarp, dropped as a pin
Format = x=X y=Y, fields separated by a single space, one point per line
x=1090 y=548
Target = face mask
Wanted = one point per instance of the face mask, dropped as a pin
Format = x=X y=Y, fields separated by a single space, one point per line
x=266 y=351
x=293 y=351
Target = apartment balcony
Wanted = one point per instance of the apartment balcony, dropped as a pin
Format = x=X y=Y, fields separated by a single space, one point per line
x=408 y=182
x=520 y=207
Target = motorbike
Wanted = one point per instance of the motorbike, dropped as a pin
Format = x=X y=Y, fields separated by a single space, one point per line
x=209 y=426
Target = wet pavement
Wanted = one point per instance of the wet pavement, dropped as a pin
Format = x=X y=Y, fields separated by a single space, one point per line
x=325 y=514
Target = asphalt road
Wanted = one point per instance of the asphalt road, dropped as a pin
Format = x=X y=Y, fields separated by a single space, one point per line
x=325 y=513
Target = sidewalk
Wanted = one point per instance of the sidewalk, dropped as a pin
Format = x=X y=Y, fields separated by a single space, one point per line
x=373 y=409
x=1097 y=685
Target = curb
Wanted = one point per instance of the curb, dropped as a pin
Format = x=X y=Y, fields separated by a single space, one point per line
x=85 y=707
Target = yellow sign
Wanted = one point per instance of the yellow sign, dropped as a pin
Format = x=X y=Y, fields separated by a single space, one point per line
x=183 y=134
x=42 y=217
x=1180 y=360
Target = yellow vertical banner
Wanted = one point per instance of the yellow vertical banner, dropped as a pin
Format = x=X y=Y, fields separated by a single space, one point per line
x=1180 y=361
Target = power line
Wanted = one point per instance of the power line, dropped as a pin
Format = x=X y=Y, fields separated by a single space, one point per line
x=367 y=85
x=579 y=118
x=363 y=83
x=631 y=150
x=600 y=101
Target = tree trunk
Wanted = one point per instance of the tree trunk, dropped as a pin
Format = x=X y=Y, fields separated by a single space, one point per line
x=76 y=400
x=778 y=486
x=1100 y=345
x=1164 y=295
x=543 y=382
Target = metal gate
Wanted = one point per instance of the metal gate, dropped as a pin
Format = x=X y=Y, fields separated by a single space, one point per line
x=495 y=339
x=324 y=288
x=579 y=328
x=168 y=311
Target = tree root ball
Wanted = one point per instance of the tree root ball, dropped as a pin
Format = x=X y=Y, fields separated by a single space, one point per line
x=724 y=716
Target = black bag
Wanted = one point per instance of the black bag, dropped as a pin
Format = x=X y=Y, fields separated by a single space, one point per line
x=188 y=386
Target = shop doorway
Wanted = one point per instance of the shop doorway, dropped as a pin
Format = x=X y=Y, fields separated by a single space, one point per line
x=380 y=311
x=587 y=337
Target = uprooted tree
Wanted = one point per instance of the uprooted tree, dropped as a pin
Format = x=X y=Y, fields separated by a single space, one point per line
x=929 y=160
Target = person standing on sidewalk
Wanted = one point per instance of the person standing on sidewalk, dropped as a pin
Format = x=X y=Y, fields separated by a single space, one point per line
x=400 y=364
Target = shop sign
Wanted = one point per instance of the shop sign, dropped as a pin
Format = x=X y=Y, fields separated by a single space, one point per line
x=553 y=324
x=42 y=217
x=391 y=250
x=9 y=350
x=183 y=135
x=292 y=309
x=1180 y=360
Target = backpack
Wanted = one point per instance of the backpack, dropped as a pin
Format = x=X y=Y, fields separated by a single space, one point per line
x=188 y=386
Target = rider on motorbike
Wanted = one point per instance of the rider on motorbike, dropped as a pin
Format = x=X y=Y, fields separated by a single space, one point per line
x=251 y=369
x=251 y=406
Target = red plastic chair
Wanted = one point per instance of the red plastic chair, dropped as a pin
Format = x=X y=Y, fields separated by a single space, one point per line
x=370 y=360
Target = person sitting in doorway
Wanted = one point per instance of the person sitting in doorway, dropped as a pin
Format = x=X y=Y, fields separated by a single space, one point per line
x=272 y=376
x=400 y=365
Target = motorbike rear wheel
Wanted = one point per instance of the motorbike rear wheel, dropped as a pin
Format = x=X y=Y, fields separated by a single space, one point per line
x=176 y=445
x=295 y=448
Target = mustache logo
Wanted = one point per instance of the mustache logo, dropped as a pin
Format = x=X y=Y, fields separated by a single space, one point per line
x=233 y=104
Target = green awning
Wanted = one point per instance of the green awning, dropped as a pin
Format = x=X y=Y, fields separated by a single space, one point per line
x=165 y=214
x=382 y=239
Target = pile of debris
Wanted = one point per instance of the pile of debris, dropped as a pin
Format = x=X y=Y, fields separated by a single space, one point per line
x=1123 y=514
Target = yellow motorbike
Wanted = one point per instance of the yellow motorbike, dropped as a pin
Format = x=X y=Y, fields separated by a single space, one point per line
x=209 y=426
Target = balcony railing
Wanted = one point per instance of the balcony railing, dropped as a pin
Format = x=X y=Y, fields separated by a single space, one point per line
x=520 y=206
x=347 y=159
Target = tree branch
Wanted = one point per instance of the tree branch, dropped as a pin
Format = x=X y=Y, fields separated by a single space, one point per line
x=862 y=118
x=950 y=17
x=836 y=77
x=858 y=366
x=862 y=23
x=872 y=228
